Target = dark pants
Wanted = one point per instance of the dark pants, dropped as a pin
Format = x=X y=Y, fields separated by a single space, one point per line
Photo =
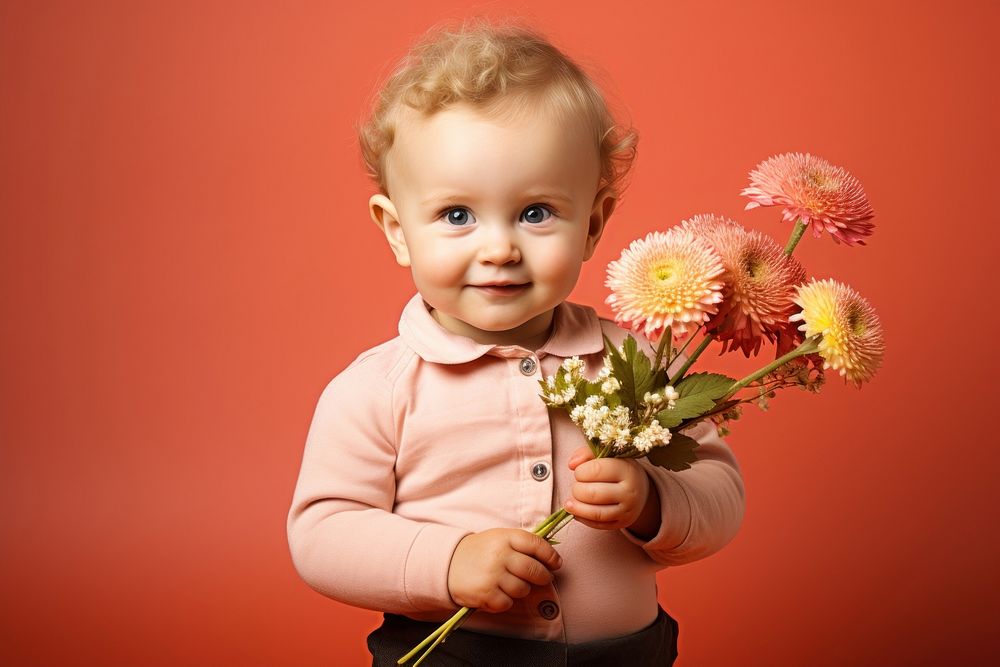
x=655 y=645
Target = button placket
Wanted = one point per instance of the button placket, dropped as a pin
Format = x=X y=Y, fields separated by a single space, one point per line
x=548 y=609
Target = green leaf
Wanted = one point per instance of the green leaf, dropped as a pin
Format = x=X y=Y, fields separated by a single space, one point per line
x=585 y=389
x=617 y=361
x=719 y=407
x=642 y=369
x=676 y=455
x=633 y=371
x=698 y=393
x=710 y=385
x=621 y=370
x=684 y=408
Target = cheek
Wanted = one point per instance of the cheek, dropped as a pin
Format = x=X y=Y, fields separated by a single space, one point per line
x=437 y=263
x=559 y=264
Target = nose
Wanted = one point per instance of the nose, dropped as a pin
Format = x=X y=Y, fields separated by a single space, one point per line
x=498 y=246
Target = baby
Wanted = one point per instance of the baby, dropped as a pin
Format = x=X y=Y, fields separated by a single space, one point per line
x=431 y=456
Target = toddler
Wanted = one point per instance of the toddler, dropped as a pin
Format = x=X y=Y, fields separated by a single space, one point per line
x=431 y=456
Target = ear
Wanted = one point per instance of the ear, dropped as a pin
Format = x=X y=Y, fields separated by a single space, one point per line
x=604 y=205
x=383 y=212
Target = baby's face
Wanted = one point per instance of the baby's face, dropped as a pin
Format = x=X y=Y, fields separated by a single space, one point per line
x=493 y=217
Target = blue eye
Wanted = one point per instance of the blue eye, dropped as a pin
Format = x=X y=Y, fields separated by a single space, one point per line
x=458 y=217
x=532 y=214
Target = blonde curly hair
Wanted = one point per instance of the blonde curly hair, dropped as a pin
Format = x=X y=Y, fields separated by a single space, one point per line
x=501 y=69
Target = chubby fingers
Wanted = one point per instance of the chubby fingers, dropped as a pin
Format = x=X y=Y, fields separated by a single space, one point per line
x=604 y=516
x=603 y=470
x=608 y=493
x=532 y=545
x=605 y=503
x=599 y=493
x=581 y=455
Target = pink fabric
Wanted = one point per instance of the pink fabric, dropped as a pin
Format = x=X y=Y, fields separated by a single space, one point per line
x=431 y=436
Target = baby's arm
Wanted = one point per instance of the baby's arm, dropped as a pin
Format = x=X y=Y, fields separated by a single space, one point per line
x=344 y=539
x=677 y=517
x=701 y=508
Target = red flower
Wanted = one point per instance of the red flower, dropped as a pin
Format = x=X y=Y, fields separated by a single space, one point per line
x=760 y=284
x=814 y=191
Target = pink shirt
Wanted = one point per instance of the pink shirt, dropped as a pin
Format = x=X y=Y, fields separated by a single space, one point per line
x=431 y=436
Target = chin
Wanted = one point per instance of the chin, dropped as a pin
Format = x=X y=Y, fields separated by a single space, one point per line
x=498 y=326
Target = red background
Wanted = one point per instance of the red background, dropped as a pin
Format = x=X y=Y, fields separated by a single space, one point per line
x=187 y=259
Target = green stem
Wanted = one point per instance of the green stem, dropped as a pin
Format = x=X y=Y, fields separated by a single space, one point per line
x=685 y=346
x=797 y=232
x=808 y=346
x=664 y=341
x=433 y=636
x=546 y=525
x=560 y=525
x=447 y=628
x=690 y=360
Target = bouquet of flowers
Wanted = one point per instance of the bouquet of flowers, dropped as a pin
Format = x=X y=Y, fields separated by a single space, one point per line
x=712 y=276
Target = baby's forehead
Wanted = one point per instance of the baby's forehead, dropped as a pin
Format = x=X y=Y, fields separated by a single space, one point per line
x=465 y=143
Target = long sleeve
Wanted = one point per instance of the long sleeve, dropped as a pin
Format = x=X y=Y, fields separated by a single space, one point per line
x=345 y=541
x=701 y=508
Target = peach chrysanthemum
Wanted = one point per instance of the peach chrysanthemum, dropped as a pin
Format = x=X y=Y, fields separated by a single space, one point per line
x=668 y=279
x=852 y=341
x=760 y=283
x=823 y=196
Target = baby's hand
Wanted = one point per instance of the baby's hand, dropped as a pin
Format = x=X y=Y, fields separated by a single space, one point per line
x=611 y=494
x=489 y=569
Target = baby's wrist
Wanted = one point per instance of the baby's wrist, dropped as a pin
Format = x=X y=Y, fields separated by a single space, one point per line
x=647 y=524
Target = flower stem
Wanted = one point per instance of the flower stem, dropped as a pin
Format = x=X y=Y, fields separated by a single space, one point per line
x=664 y=342
x=690 y=360
x=436 y=637
x=446 y=630
x=797 y=232
x=686 y=345
x=808 y=346
x=545 y=526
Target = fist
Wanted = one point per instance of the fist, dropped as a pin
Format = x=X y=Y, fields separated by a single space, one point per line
x=489 y=570
x=611 y=494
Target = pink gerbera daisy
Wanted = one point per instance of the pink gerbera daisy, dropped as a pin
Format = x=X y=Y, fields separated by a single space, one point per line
x=670 y=279
x=852 y=341
x=814 y=191
x=760 y=283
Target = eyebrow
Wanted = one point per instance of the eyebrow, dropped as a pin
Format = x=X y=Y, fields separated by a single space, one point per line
x=444 y=198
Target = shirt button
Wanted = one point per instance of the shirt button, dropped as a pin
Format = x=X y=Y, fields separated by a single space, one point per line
x=548 y=609
x=528 y=366
x=540 y=471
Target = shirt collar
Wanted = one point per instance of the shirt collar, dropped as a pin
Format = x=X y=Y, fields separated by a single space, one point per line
x=576 y=331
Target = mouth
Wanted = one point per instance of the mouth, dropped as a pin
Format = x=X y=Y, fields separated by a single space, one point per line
x=502 y=288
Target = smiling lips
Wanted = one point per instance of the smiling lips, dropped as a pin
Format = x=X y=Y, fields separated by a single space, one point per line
x=502 y=288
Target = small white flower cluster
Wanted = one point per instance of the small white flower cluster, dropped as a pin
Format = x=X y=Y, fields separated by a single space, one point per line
x=669 y=396
x=571 y=373
x=556 y=397
x=599 y=421
x=610 y=386
x=573 y=367
x=650 y=437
